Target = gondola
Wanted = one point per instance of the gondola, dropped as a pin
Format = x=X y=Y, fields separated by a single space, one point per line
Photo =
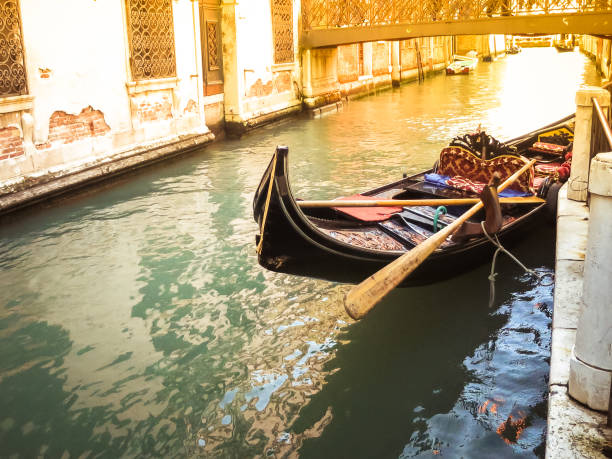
x=347 y=244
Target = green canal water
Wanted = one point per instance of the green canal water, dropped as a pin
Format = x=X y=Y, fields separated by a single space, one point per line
x=136 y=322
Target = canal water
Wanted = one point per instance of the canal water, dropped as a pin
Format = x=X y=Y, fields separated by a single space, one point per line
x=136 y=322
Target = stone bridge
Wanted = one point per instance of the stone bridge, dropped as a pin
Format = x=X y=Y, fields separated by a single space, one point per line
x=337 y=22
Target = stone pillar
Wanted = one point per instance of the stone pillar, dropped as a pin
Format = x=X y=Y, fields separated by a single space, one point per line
x=396 y=70
x=579 y=176
x=320 y=77
x=591 y=360
x=306 y=74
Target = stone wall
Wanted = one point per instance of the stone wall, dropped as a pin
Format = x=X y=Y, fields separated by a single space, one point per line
x=260 y=86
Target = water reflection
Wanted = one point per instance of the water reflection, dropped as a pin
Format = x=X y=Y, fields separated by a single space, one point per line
x=135 y=320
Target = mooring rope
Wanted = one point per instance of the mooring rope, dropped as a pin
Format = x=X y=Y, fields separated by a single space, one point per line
x=492 y=274
x=265 y=215
x=439 y=210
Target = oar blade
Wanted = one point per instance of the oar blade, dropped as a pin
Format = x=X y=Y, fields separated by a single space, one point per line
x=362 y=298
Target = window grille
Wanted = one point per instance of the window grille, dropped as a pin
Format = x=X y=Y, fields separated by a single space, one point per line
x=282 y=29
x=151 y=34
x=212 y=45
x=12 y=68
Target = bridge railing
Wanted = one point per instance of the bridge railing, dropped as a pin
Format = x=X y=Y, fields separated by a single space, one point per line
x=323 y=14
x=601 y=134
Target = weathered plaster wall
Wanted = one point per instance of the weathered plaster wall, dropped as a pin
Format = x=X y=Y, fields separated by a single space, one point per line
x=408 y=55
x=381 y=58
x=433 y=53
x=81 y=105
x=348 y=63
x=73 y=64
x=377 y=68
x=261 y=87
x=189 y=90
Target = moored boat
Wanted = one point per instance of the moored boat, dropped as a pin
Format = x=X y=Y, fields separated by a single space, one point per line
x=564 y=43
x=563 y=46
x=347 y=244
x=461 y=65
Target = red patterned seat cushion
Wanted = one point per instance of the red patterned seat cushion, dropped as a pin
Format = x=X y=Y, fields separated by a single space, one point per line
x=457 y=161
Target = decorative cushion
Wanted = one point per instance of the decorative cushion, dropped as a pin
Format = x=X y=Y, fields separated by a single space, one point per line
x=549 y=148
x=457 y=161
x=557 y=170
x=547 y=169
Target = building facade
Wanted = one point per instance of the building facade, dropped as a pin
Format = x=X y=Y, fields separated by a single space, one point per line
x=84 y=82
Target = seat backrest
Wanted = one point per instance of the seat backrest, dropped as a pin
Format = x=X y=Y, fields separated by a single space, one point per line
x=457 y=161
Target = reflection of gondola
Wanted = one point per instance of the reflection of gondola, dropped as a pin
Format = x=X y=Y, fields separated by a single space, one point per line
x=348 y=244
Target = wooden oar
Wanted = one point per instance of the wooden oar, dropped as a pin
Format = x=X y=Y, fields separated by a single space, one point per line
x=415 y=202
x=363 y=297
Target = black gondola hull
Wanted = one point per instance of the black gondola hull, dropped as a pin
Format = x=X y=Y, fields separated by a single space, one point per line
x=293 y=245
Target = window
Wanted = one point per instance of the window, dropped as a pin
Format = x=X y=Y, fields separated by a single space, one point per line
x=12 y=69
x=151 y=36
x=282 y=30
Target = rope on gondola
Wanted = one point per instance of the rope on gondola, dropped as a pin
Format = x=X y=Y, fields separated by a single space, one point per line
x=493 y=274
x=265 y=214
x=439 y=210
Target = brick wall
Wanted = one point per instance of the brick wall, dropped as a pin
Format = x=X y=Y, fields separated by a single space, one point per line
x=153 y=110
x=11 y=143
x=191 y=107
x=66 y=128
x=259 y=89
x=280 y=82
